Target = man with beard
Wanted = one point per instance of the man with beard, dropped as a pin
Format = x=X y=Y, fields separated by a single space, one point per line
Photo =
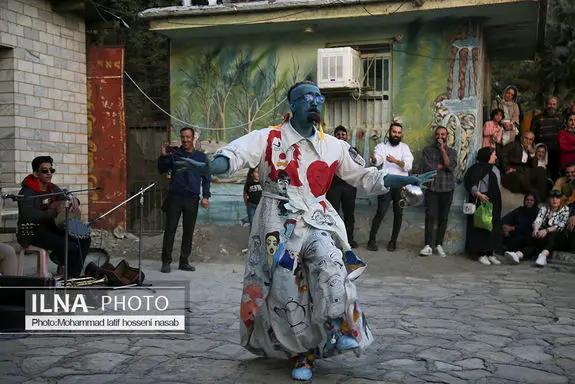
x=546 y=127
x=329 y=318
x=342 y=194
x=566 y=184
x=439 y=194
x=396 y=158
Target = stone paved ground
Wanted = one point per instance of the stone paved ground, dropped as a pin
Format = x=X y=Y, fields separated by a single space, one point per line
x=495 y=325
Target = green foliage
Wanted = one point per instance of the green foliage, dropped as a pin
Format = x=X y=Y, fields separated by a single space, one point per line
x=146 y=52
x=554 y=72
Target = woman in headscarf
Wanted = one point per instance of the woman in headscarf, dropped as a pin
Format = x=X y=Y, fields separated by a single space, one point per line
x=482 y=182
x=517 y=223
x=547 y=232
x=510 y=108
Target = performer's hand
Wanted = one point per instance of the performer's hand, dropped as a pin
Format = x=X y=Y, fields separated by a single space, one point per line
x=571 y=224
x=510 y=170
x=184 y=164
x=425 y=178
x=220 y=164
x=165 y=149
x=205 y=202
x=373 y=159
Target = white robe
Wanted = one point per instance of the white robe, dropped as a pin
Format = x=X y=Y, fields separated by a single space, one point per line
x=277 y=315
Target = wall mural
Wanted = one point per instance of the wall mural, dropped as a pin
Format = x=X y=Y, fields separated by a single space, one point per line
x=236 y=89
x=457 y=108
x=436 y=75
x=440 y=72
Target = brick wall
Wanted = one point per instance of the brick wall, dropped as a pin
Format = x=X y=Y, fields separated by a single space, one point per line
x=42 y=93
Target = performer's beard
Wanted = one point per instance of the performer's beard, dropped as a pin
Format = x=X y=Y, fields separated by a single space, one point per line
x=394 y=141
x=314 y=116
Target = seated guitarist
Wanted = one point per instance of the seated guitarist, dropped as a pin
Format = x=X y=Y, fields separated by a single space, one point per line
x=36 y=216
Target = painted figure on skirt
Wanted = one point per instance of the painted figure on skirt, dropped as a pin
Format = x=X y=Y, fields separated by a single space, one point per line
x=295 y=248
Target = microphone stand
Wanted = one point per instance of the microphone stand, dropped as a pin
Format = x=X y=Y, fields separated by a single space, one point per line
x=141 y=201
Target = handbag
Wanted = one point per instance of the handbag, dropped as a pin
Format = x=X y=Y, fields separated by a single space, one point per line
x=483 y=216
x=469 y=208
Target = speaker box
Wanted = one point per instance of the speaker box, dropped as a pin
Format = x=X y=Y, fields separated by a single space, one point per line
x=13 y=299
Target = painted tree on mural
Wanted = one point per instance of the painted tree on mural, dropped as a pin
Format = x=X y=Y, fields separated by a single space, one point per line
x=258 y=87
x=230 y=91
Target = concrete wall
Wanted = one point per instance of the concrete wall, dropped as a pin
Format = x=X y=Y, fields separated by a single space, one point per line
x=42 y=93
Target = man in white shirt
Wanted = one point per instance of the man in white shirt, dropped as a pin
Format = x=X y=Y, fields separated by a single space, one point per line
x=396 y=158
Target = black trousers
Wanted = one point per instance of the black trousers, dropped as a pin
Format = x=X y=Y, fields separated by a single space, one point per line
x=343 y=195
x=527 y=180
x=554 y=241
x=437 y=206
x=382 y=205
x=56 y=242
x=175 y=206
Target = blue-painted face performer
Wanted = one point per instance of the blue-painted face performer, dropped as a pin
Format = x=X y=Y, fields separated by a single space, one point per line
x=311 y=234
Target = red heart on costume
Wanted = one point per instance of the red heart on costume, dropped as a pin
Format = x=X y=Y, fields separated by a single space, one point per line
x=319 y=176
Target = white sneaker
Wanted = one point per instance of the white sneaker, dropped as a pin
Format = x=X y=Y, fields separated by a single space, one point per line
x=541 y=260
x=484 y=260
x=440 y=251
x=426 y=251
x=494 y=260
x=512 y=257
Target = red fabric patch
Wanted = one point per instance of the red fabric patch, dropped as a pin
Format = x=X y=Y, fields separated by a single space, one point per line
x=274 y=140
x=249 y=305
x=324 y=205
x=319 y=176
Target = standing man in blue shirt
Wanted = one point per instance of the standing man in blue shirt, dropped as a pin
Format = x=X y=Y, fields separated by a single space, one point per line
x=184 y=196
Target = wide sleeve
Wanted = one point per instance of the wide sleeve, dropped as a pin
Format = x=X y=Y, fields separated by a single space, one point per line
x=245 y=152
x=368 y=179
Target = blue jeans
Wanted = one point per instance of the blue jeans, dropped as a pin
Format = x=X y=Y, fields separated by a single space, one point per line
x=251 y=208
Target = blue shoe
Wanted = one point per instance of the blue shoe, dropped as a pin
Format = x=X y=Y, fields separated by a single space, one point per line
x=345 y=343
x=302 y=373
x=302 y=370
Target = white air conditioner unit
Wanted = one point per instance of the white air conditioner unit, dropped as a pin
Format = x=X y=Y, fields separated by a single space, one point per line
x=338 y=68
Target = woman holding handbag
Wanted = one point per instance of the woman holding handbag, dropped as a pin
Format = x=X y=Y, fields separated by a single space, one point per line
x=482 y=182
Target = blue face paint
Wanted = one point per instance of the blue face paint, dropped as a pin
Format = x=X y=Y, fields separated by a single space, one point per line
x=305 y=100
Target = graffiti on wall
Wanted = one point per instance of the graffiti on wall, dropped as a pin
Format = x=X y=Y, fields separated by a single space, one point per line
x=229 y=90
x=457 y=108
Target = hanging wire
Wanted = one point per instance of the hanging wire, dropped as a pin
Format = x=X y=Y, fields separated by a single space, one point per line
x=279 y=104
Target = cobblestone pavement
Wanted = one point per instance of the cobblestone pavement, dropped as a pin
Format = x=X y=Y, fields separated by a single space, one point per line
x=498 y=325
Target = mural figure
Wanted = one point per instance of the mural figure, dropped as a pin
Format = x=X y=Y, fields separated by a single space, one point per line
x=457 y=109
